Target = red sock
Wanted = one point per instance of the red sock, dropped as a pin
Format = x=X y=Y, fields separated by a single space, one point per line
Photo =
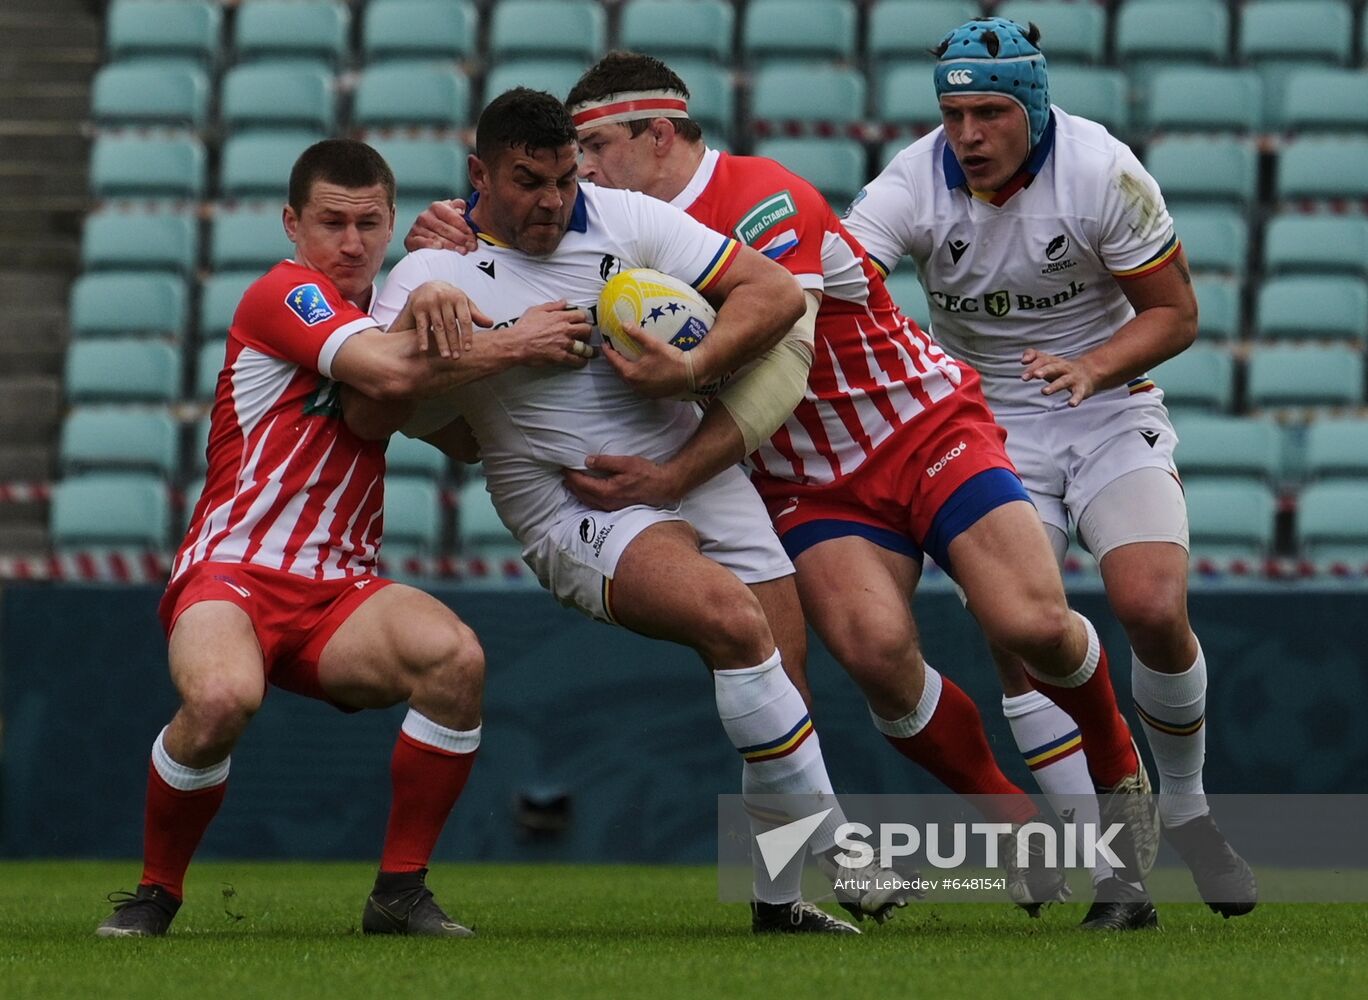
x=427 y=781
x=1092 y=706
x=173 y=825
x=954 y=748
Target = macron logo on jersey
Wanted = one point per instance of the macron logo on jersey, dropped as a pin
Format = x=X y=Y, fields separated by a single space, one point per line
x=307 y=302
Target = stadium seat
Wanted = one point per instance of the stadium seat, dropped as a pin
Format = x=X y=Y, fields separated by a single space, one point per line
x=199 y=448
x=906 y=96
x=1213 y=239
x=568 y=29
x=150 y=93
x=1309 y=306
x=1070 y=32
x=133 y=166
x=219 y=298
x=1205 y=98
x=257 y=164
x=1228 y=447
x=411 y=457
x=119 y=437
x=114 y=303
x=1229 y=519
x=1193 y=31
x=1206 y=169
x=1218 y=307
x=249 y=238
x=412 y=518
x=413 y=94
x=481 y=532
x=555 y=76
x=131 y=241
x=292 y=30
x=900 y=30
x=277 y=96
x=112 y=509
x=1201 y=378
x=669 y=28
x=1318 y=243
x=1308 y=31
x=209 y=361
x=1332 y=522
x=808 y=93
x=1305 y=376
x=1324 y=100
x=906 y=289
x=117 y=371
x=419 y=29
x=424 y=168
x=188 y=29
x=1092 y=92
x=1314 y=167
x=807 y=30
x=836 y=167
x=1337 y=449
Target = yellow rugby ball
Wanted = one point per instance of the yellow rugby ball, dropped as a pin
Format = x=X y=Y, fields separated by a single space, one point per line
x=664 y=306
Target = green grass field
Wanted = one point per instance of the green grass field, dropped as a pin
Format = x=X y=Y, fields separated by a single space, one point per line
x=584 y=931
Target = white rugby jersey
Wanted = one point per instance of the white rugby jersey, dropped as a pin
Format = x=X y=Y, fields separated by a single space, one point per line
x=533 y=422
x=1038 y=264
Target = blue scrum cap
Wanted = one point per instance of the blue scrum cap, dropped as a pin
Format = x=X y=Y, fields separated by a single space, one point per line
x=992 y=55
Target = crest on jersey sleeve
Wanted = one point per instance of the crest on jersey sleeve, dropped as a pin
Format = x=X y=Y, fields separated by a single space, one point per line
x=308 y=303
x=759 y=227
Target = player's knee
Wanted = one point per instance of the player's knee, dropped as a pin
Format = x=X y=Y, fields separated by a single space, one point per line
x=1151 y=612
x=451 y=656
x=220 y=709
x=1033 y=630
x=733 y=631
x=881 y=660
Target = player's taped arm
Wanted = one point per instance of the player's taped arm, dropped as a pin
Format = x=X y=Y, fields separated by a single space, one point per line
x=761 y=398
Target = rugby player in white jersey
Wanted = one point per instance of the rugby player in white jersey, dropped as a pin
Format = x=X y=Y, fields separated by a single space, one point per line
x=1052 y=266
x=700 y=572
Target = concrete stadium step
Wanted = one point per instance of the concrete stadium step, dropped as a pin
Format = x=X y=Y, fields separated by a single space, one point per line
x=49 y=65
x=41 y=178
x=29 y=407
x=54 y=215
x=20 y=287
x=33 y=335
x=52 y=142
x=25 y=463
x=41 y=252
x=44 y=101
x=29 y=538
x=48 y=26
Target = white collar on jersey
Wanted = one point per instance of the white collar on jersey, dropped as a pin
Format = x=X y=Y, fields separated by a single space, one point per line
x=698 y=181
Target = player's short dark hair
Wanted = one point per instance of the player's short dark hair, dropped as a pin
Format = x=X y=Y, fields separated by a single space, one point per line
x=347 y=163
x=621 y=71
x=523 y=118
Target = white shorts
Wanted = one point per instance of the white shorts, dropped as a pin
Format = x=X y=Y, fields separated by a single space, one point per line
x=1067 y=456
x=577 y=554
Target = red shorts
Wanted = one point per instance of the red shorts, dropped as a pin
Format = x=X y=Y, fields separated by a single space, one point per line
x=906 y=482
x=294 y=617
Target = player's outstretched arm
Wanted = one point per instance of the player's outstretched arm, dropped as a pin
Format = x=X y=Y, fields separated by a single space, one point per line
x=442 y=226
x=1165 y=325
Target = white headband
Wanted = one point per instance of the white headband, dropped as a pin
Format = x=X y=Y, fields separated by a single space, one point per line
x=630 y=106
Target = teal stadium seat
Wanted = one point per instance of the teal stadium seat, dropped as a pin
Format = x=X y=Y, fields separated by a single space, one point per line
x=568 y=29
x=1093 y=92
x=257 y=164
x=903 y=30
x=199 y=451
x=1323 y=167
x=555 y=76
x=1201 y=378
x=1317 y=243
x=1283 y=37
x=906 y=289
x=1312 y=306
x=219 y=298
x=712 y=98
x=135 y=166
x=1210 y=170
x=119 y=303
x=120 y=510
x=1172 y=31
x=1228 y=447
x=808 y=93
x=208 y=363
x=907 y=98
x=1316 y=99
x=482 y=534
x=283 y=96
x=1205 y=99
x=129 y=241
x=1215 y=239
x=190 y=496
x=150 y=93
x=1070 y=32
x=836 y=167
x=1218 y=306
x=248 y=239
x=794 y=30
x=188 y=29
x=419 y=29
x=424 y=168
x=695 y=29
x=1332 y=523
x=412 y=457
x=1230 y=519
x=122 y=371
x=1305 y=376
x=316 y=30
x=413 y=517
x=411 y=94
x=119 y=437
x=1337 y=449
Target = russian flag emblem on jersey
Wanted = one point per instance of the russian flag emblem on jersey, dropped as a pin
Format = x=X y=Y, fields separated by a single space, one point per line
x=779 y=245
x=307 y=302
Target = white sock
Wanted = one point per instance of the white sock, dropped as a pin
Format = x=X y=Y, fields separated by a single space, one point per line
x=1053 y=749
x=1172 y=710
x=182 y=778
x=916 y=720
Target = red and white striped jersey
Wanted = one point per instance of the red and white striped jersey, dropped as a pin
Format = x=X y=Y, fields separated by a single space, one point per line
x=873 y=371
x=288 y=486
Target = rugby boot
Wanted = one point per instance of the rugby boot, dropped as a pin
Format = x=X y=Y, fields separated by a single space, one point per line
x=869 y=891
x=1120 y=906
x=1034 y=885
x=145 y=912
x=401 y=903
x=1132 y=803
x=795 y=918
x=1224 y=879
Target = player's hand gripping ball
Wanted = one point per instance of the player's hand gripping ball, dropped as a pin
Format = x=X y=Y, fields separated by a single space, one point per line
x=662 y=305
